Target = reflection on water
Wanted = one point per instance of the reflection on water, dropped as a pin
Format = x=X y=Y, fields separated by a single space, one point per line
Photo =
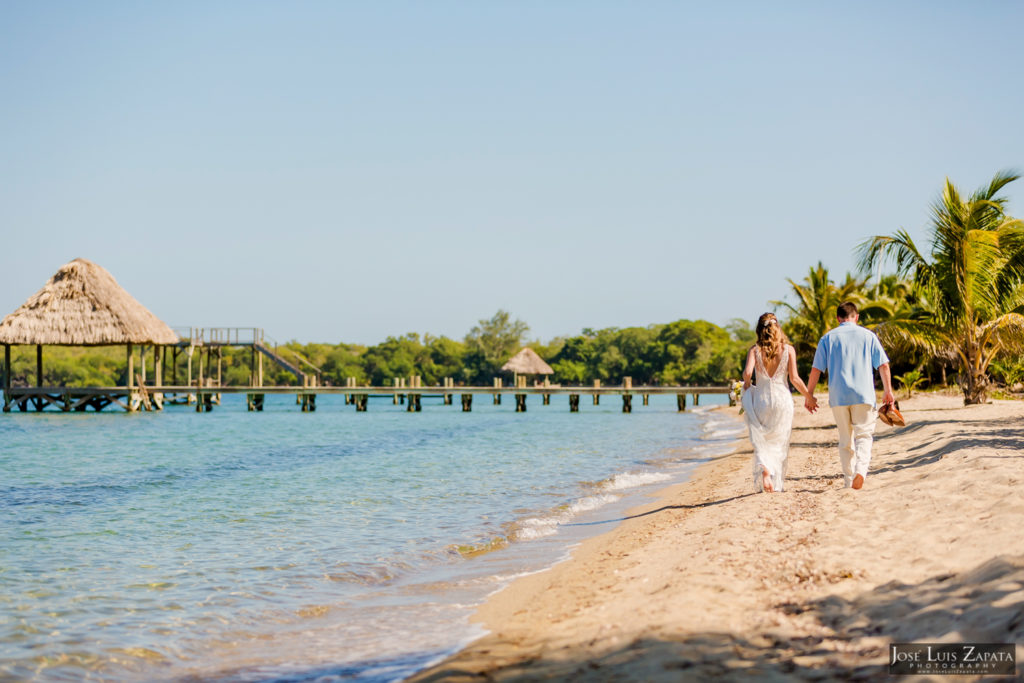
x=256 y=545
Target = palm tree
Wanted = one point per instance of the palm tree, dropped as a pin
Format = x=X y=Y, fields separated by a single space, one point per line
x=814 y=313
x=974 y=282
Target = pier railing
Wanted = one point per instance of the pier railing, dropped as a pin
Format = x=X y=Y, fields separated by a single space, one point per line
x=220 y=336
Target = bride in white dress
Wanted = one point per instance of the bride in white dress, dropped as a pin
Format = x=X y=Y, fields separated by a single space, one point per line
x=768 y=405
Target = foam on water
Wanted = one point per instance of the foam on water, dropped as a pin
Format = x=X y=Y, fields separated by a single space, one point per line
x=629 y=480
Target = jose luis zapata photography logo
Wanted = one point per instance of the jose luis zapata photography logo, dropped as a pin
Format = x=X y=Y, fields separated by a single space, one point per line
x=952 y=658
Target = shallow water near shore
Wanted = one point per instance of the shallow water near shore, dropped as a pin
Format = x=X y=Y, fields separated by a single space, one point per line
x=290 y=546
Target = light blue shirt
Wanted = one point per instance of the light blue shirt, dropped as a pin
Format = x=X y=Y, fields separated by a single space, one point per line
x=850 y=354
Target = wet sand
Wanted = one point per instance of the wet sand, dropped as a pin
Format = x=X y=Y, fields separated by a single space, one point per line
x=713 y=579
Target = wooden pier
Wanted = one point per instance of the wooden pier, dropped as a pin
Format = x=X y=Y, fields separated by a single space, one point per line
x=202 y=387
x=68 y=399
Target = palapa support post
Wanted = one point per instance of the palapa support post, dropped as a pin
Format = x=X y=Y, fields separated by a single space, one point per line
x=38 y=401
x=467 y=403
x=647 y=399
x=130 y=382
x=255 y=402
x=597 y=395
x=413 y=403
x=497 y=385
x=547 y=397
x=208 y=401
x=574 y=403
x=449 y=383
x=696 y=399
x=361 y=401
x=681 y=402
x=158 y=377
x=627 y=403
x=142 y=365
x=7 y=378
x=520 y=403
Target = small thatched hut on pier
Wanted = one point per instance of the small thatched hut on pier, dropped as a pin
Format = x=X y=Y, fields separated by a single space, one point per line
x=526 y=362
x=81 y=305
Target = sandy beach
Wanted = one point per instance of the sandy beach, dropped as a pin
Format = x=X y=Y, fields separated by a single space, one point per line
x=711 y=579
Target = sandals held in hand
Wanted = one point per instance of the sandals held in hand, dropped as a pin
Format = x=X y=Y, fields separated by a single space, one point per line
x=890 y=414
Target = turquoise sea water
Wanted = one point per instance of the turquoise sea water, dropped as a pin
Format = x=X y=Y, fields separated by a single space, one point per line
x=299 y=546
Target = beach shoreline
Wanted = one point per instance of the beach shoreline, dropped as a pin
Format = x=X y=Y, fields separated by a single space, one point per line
x=712 y=579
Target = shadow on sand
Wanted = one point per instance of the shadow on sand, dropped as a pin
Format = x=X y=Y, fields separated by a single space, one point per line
x=984 y=604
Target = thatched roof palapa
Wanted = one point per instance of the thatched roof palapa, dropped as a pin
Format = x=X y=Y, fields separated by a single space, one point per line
x=82 y=305
x=527 y=362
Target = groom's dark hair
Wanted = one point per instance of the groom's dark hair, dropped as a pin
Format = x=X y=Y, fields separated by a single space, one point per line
x=846 y=310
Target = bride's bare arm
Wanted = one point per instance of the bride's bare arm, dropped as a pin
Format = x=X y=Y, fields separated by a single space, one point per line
x=748 y=371
x=794 y=375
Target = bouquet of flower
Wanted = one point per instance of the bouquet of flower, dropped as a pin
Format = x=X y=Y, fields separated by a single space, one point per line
x=737 y=394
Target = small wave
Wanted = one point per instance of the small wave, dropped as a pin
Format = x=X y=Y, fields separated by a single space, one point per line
x=724 y=433
x=711 y=449
x=629 y=480
x=590 y=503
x=535 y=527
x=539 y=527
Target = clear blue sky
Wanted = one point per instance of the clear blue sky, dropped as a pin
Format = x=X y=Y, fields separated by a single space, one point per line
x=345 y=171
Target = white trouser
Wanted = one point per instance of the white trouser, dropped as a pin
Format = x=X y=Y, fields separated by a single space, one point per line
x=856 y=425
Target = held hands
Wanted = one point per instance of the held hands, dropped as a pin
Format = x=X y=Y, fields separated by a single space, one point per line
x=888 y=398
x=810 y=403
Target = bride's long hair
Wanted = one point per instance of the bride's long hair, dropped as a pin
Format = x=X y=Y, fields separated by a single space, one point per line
x=770 y=336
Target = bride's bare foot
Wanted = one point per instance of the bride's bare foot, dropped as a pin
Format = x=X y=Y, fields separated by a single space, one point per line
x=766 y=480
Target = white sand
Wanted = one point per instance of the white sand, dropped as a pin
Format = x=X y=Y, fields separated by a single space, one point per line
x=713 y=579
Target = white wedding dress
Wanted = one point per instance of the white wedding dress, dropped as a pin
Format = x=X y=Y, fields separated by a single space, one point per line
x=768 y=409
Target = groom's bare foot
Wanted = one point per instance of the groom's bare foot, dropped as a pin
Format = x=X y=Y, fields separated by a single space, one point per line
x=858 y=481
x=766 y=480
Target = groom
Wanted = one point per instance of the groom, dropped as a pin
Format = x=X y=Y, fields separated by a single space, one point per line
x=850 y=354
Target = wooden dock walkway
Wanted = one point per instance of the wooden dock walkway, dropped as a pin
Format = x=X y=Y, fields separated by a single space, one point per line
x=203 y=349
x=68 y=399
